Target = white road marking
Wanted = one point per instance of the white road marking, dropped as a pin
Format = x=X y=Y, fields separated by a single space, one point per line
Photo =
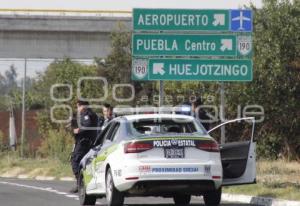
x=47 y=189
x=23 y=176
x=71 y=196
x=67 y=179
x=44 y=178
x=61 y=193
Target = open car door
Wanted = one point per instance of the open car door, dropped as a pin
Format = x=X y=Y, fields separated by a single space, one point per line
x=238 y=157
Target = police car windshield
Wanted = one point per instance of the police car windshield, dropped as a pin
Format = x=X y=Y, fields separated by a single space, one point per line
x=165 y=126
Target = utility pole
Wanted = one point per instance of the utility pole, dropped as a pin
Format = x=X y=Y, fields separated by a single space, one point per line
x=161 y=93
x=23 y=110
x=222 y=111
x=12 y=128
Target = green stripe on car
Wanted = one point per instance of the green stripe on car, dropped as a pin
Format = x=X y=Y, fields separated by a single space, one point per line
x=104 y=154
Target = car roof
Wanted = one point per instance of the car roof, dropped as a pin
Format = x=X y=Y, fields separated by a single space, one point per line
x=156 y=116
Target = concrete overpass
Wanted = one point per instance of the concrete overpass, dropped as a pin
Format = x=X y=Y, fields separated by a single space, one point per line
x=50 y=36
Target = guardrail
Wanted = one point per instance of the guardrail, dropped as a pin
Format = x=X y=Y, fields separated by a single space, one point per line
x=65 y=12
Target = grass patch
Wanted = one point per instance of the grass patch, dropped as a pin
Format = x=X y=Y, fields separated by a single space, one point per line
x=277 y=179
x=281 y=191
x=12 y=164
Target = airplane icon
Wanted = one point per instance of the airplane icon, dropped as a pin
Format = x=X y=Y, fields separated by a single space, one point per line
x=241 y=20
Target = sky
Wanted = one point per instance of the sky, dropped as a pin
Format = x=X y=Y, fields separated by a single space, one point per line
x=36 y=65
x=125 y=5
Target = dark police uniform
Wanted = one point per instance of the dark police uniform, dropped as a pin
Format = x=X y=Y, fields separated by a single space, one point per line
x=202 y=115
x=84 y=139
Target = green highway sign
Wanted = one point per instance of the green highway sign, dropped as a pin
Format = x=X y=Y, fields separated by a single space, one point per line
x=192 y=69
x=191 y=45
x=180 y=19
x=176 y=39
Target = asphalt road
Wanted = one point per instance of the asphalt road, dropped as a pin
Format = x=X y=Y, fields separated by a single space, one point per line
x=16 y=192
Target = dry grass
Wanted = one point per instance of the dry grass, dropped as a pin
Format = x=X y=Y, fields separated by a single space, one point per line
x=279 y=171
x=11 y=166
x=278 y=179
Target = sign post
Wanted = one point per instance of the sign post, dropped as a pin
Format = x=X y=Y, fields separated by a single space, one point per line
x=23 y=131
x=222 y=111
x=161 y=93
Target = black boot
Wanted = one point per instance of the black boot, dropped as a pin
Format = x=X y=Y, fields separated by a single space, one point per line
x=74 y=189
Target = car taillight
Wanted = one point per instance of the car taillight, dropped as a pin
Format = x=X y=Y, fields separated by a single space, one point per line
x=209 y=146
x=137 y=147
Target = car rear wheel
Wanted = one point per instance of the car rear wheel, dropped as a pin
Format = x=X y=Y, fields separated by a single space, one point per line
x=213 y=198
x=182 y=199
x=83 y=197
x=113 y=196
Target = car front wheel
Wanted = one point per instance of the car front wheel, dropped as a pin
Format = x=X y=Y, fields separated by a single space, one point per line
x=213 y=198
x=182 y=199
x=113 y=196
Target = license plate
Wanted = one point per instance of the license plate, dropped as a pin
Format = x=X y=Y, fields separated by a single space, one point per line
x=173 y=153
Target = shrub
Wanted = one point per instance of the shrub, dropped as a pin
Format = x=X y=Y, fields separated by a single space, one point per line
x=269 y=147
x=57 y=144
x=1 y=141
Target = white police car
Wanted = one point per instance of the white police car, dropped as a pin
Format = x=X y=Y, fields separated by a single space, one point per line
x=167 y=155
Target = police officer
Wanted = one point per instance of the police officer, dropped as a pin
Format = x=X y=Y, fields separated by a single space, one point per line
x=84 y=135
x=107 y=114
x=200 y=113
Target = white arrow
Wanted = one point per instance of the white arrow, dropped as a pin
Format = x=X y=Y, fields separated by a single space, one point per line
x=226 y=44
x=219 y=19
x=158 y=68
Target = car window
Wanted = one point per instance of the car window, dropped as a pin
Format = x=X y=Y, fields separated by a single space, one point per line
x=165 y=126
x=113 y=131
x=101 y=137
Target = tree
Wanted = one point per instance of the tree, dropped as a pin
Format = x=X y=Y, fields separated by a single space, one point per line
x=64 y=72
x=119 y=60
x=117 y=67
x=11 y=78
x=8 y=82
x=276 y=82
x=8 y=87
